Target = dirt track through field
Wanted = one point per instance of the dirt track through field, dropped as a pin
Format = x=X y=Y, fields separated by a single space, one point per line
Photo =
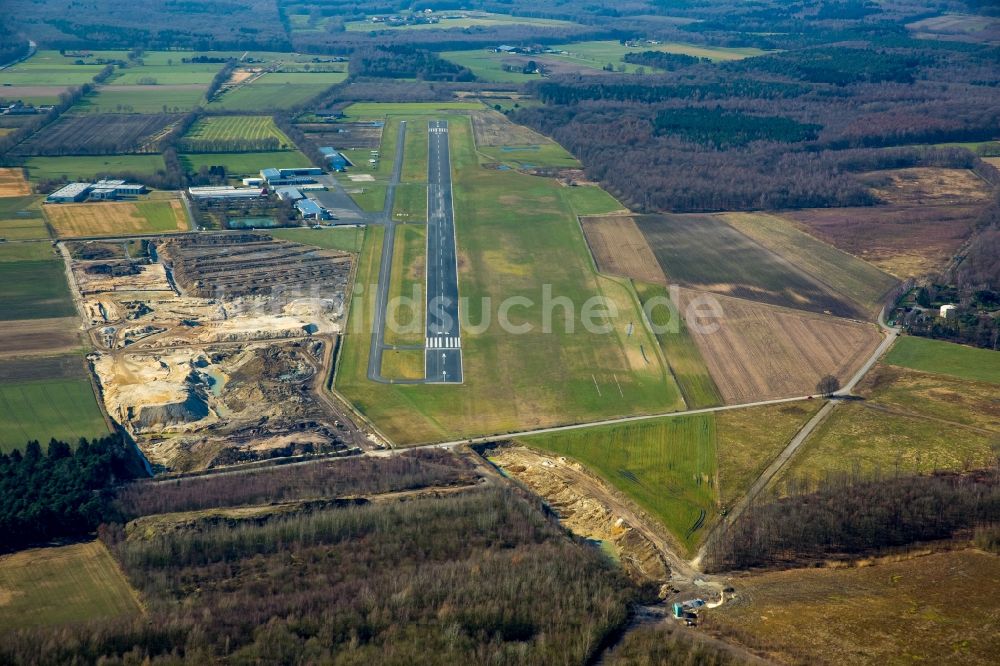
x=619 y=248
x=762 y=351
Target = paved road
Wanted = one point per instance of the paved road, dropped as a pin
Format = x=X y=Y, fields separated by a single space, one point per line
x=385 y=268
x=443 y=358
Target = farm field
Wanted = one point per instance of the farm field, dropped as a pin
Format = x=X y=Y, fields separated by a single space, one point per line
x=377 y=111
x=20 y=338
x=348 y=239
x=143 y=99
x=945 y=358
x=64 y=408
x=591 y=200
x=489 y=66
x=619 y=248
x=761 y=351
x=829 y=616
x=842 y=272
x=245 y=164
x=702 y=251
x=872 y=440
x=32 y=283
x=511 y=381
x=928 y=186
x=93 y=134
x=749 y=439
x=228 y=128
x=468 y=20
x=682 y=355
x=48 y=68
x=36 y=95
x=595 y=55
x=26 y=228
x=115 y=218
x=13 y=183
x=52 y=586
x=89 y=167
x=925 y=394
x=666 y=466
x=279 y=90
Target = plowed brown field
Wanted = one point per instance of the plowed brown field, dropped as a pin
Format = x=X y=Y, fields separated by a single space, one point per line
x=761 y=351
x=619 y=248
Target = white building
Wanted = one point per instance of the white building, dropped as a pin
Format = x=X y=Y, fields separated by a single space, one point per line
x=948 y=311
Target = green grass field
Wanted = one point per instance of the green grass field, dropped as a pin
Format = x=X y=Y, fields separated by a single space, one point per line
x=515 y=233
x=667 y=466
x=681 y=353
x=946 y=358
x=48 y=68
x=86 y=167
x=850 y=276
x=53 y=586
x=346 y=239
x=226 y=128
x=21 y=218
x=487 y=66
x=30 y=287
x=598 y=54
x=178 y=73
x=407 y=283
x=526 y=157
x=245 y=164
x=468 y=20
x=871 y=440
x=411 y=202
x=375 y=110
x=62 y=408
x=590 y=200
x=278 y=90
x=113 y=98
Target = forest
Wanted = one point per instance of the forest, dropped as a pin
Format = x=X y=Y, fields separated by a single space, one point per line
x=64 y=492
x=852 y=516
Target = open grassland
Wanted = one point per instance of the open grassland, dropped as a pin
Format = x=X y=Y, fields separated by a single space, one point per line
x=675 y=342
x=411 y=202
x=277 y=90
x=939 y=608
x=750 y=439
x=36 y=95
x=405 y=323
x=461 y=20
x=597 y=55
x=142 y=99
x=13 y=183
x=591 y=200
x=85 y=168
x=514 y=233
x=348 y=239
x=489 y=66
x=492 y=128
x=870 y=440
x=228 y=128
x=376 y=110
x=759 y=351
x=843 y=273
x=946 y=358
x=48 y=68
x=666 y=466
x=931 y=395
x=619 y=248
x=21 y=338
x=546 y=154
x=21 y=218
x=702 y=251
x=53 y=586
x=115 y=218
x=414 y=152
x=245 y=164
x=928 y=186
x=65 y=409
x=32 y=283
x=403 y=364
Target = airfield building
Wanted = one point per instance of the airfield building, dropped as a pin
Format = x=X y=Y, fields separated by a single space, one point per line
x=70 y=193
x=275 y=177
x=310 y=210
x=336 y=159
x=102 y=190
x=289 y=193
x=225 y=192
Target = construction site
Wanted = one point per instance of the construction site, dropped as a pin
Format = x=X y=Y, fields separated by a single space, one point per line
x=214 y=349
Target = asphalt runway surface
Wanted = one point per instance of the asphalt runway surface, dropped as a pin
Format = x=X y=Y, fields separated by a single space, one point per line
x=443 y=355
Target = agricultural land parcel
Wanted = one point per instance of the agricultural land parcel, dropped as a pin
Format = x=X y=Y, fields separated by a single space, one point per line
x=348 y=239
x=33 y=283
x=21 y=217
x=276 y=90
x=683 y=469
x=466 y=20
x=13 y=184
x=90 y=134
x=62 y=407
x=143 y=99
x=51 y=586
x=117 y=218
x=829 y=616
x=89 y=167
x=946 y=358
x=512 y=381
x=245 y=164
x=227 y=128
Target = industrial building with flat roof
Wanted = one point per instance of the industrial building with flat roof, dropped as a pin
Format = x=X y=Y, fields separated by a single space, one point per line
x=310 y=210
x=335 y=158
x=101 y=190
x=225 y=192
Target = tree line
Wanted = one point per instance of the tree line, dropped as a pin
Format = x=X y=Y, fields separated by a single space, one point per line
x=65 y=492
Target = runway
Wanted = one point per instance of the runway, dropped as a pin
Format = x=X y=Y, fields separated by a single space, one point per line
x=443 y=355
